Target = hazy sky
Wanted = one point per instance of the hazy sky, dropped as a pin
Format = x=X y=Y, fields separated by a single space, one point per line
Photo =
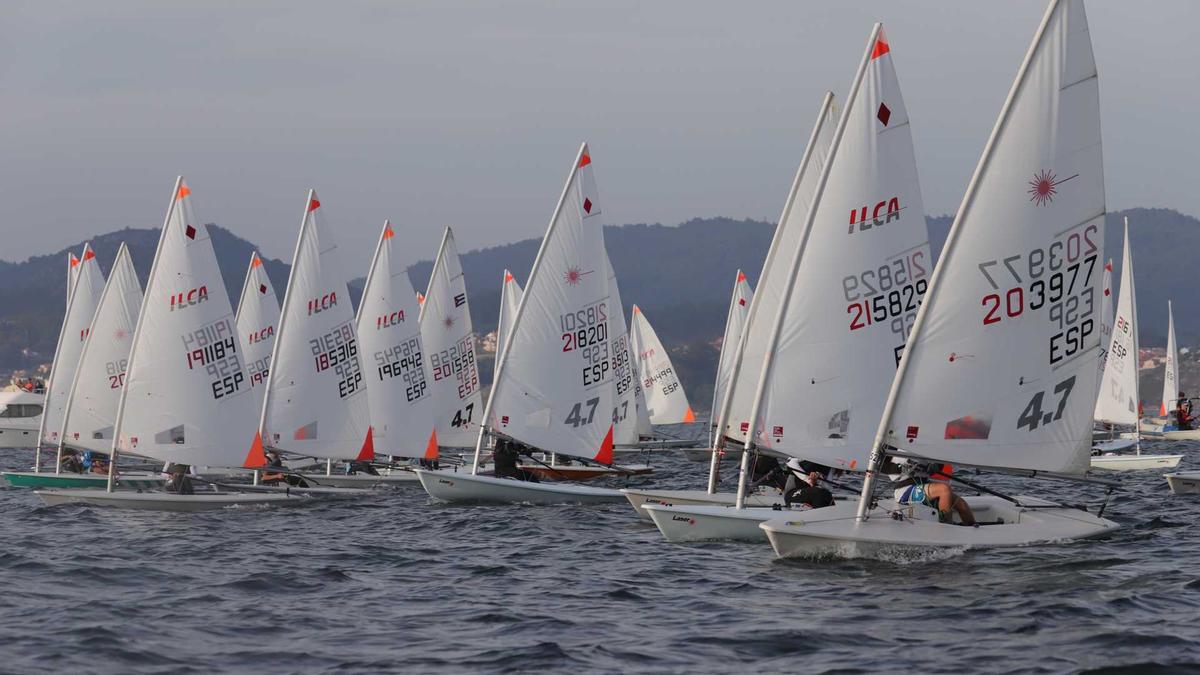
x=469 y=114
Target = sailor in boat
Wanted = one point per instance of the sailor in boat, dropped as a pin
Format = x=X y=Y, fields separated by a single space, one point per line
x=928 y=484
x=274 y=461
x=357 y=466
x=179 y=481
x=1183 y=412
x=95 y=462
x=71 y=463
x=767 y=471
x=505 y=458
x=803 y=484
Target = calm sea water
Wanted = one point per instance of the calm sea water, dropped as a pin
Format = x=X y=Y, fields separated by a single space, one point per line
x=392 y=583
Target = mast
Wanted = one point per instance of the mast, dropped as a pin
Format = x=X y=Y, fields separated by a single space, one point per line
x=137 y=332
x=877 y=452
x=755 y=302
x=533 y=273
x=781 y=312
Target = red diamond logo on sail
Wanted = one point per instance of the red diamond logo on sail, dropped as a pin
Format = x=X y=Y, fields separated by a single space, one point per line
x=262 y=288
x=448 y=322
x=911 y=433
x=190 y=232
x=587 y=205
x=884 y=114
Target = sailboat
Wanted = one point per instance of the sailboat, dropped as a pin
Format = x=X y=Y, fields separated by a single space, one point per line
x=998 y=372
x=823 y=383
x=185 y=397
x=257 y=321
x=553 y=388
x=733 y=414
x=449 y=342
x=95 y=389
x=1171 y=430
x=666 y=401
x=1118 y=399
x=315 y=404
x=85 y=294
x=510 y=300
x=399 y=397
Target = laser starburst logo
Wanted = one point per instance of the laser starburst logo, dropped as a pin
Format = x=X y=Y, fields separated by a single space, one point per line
x=1044 y=186
x=573 y=276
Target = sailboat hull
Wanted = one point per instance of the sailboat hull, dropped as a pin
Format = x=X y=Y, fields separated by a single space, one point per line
x=1184 y=482
x=1177 y=435
x=639 y=498
x=363 y=480
x=80 y=480
x=709 y=522
x=451 y=486
x=1135 y=462
x=575 y=472
x=165 y=501
x=918 y=533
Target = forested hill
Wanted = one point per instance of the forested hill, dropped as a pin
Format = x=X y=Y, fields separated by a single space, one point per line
x=681 y=277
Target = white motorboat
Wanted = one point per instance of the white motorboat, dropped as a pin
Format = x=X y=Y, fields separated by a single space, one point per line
x=461 y=486
x=20 y=418
x=917 y=531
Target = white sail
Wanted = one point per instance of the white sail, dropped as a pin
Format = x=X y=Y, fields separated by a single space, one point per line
x=773 y=280
x=316 y=398
x=186 y=397
x=735 y=322
x=1170 y=368
x=863 y=256
x=510 y=299
x=666 y=402
x=1000 y=367
x=257 y=322
x=449 y=342
x=625 y=417
x=399 y=396
x=1118 y=400
x=72 y=265
x=553 y=387
x=81 y=309
x=92 y=408
x=1106 y=319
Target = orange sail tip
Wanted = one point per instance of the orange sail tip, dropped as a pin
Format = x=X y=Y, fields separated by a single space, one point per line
x=689 y=416
x=585 y=159
x=387 y=232
x=184 y=191
x=881 y=46
x=420 y=299
x=605 y=456
x=255 y=261
x=313 y=205
x=431 y=449
x=637 y=310
x=257 y=457
x=741 y=277
x=507 y=276
x=74 y=260
x=367 y=454
x=88 y=255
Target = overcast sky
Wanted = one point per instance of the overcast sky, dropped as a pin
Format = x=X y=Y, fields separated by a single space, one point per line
x=469 y=114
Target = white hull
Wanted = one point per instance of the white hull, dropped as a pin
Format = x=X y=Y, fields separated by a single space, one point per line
x=1189 y=435
x=639 y=498
x=165 y=501
x=1184 y=482
x=451 y=486
x=709 y=522
x=1135 y=462
x=362 y=481
x=918 y=533
x=1116 y=445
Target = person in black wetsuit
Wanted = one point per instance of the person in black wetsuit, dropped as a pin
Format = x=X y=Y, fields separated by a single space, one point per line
x=1183 y=413
x=767 y=471
x=179 y=482
x=505 y=458
x=803 y=485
